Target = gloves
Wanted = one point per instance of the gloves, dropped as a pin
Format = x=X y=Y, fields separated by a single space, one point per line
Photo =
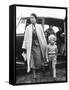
x=24 y=56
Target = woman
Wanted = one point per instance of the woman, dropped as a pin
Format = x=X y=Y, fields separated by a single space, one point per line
x=35 y=44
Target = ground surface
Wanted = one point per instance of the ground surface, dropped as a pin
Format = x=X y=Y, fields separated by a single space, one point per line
x=23 y=77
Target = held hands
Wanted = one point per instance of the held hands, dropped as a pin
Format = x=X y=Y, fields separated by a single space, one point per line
x=47 y=59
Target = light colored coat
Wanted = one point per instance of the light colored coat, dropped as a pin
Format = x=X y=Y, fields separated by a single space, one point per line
x=27 y=43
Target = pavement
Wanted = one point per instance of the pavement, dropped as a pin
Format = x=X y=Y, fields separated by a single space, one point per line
x=22 y=77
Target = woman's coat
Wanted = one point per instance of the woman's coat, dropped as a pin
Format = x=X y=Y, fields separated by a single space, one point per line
x=27 y=43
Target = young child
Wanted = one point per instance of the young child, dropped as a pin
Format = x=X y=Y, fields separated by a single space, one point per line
x=52 y=55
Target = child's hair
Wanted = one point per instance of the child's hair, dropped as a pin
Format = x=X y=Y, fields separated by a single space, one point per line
x=52 y=37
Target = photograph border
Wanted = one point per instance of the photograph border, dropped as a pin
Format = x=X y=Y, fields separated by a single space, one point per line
x=38 y=6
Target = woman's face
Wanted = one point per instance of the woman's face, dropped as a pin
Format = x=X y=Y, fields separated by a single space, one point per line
x=32 y=19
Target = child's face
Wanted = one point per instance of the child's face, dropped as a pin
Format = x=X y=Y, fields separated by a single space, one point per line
x=52 y=41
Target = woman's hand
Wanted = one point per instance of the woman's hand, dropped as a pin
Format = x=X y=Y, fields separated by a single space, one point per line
x=24 y=56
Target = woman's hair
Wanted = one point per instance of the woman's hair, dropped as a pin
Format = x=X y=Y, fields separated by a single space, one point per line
x=33 y=14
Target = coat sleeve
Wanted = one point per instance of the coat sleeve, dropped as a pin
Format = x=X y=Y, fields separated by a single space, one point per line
x=24 y=46
x=42 y=31
x=25 y=39
x=45 y=41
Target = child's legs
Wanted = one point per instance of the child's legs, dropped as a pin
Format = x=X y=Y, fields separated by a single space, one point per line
x=54 y=68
